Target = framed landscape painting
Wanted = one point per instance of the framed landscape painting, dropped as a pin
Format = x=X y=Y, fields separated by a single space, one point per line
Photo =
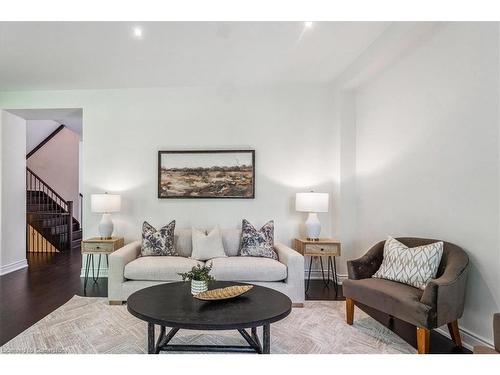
x=206 y=174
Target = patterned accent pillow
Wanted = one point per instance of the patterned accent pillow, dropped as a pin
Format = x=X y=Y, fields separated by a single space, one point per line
x=158 y=242
x=413 y=266
x=257 y=243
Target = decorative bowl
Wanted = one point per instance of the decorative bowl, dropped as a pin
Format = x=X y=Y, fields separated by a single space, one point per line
x=223 y=293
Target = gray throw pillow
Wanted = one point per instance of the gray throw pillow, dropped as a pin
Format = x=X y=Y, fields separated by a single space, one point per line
x=257 y=243
x=413 y=266
x=158 y=242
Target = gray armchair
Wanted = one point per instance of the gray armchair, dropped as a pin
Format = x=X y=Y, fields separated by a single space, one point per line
x=442 y=301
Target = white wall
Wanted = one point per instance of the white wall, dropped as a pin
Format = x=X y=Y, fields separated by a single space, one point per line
x=427 y=155
x=13 y=193
x=289 y=127
x=286 y=128
x=37 y=131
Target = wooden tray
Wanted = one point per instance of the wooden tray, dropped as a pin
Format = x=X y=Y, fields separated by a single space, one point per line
x=223 y=293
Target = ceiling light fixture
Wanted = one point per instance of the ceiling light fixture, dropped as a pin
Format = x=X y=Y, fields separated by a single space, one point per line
x=137 y=31
x=308 y=24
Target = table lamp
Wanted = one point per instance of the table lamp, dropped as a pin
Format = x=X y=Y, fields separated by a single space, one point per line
x=105 y=204
x=312 y=203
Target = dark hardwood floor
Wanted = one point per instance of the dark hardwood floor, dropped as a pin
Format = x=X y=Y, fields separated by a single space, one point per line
x=28 y=295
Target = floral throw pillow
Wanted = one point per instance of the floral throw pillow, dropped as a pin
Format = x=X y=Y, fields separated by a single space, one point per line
x=158 y=242
x=257 y=243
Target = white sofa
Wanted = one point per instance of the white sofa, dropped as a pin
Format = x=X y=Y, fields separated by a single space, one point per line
x=129 y=272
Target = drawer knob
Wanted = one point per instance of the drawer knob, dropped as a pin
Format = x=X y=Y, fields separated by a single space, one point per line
x=97 y=247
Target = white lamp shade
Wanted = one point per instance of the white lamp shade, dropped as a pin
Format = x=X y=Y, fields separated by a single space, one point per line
x=105 y=203
x=311 y=202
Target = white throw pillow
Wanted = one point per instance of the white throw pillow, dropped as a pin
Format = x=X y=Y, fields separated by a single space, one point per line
x=413 y=266
x=207 y=246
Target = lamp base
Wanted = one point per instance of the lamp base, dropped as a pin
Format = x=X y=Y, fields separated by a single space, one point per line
x=313 y=227
x=106 y=227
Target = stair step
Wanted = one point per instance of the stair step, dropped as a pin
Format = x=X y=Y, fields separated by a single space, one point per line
x=46 y=217
x=43 y=207
x=49 y=220
x=34 y=198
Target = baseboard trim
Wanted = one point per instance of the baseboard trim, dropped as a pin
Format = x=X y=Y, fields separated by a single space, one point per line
x=469 y=340
x=316 y=275
x=8 y=268
x=103 y=272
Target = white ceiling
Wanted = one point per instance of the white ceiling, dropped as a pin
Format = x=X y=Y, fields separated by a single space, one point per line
x=76 y=55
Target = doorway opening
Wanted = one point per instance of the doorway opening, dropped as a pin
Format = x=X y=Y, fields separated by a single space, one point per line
x=54 y=197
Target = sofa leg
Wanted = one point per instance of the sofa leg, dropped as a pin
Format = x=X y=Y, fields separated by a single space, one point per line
x=349 y=310
x=115 y=302
x=423 y=340
x=297 y=304
x=455 y=333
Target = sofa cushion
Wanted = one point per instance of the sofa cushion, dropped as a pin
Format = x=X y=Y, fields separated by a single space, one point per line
x=207 y=245
x=231 y=239
x=165 y=268
x=247 y=269
x=183 y=242
x=396 y=299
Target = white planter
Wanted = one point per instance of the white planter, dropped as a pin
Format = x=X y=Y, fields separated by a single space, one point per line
x=198 y=286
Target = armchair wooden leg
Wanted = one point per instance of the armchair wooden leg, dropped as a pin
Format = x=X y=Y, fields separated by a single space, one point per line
x=423 y=340
x=349 y=310
x=455 y=333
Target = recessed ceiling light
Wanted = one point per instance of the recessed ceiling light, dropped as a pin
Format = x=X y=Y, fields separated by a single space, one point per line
x=137 y=32
x=308 y=24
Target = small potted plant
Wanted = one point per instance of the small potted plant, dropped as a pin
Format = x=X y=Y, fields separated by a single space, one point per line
x=199 y=277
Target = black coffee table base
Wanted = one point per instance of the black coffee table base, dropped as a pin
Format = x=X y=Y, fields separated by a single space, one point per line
x=254 y=345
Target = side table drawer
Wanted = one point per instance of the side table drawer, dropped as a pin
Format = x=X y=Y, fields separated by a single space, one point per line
x=322 y=249
x=97 y=247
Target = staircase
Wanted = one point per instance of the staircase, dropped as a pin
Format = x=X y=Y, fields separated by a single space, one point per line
x=50 y=225
x=50 y=222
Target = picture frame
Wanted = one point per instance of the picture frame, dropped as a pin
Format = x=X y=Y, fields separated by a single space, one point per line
x=206 y=174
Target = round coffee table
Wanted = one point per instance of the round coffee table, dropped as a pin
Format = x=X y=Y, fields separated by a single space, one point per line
x=172 y=305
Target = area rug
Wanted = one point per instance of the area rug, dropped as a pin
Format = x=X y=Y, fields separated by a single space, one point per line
x=89 y=325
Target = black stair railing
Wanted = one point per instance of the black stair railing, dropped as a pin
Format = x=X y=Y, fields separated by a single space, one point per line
x=49 y=214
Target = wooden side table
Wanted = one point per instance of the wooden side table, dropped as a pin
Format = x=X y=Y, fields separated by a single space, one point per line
x=324 y=247
x=98 y=246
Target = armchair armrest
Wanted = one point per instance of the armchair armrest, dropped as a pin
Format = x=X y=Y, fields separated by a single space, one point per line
x=117 y=262
x=368 y=264
x=446 y=294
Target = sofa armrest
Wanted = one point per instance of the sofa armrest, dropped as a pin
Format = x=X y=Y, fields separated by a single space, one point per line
x=368 y=264
x=293 y=261
x=117 y=262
